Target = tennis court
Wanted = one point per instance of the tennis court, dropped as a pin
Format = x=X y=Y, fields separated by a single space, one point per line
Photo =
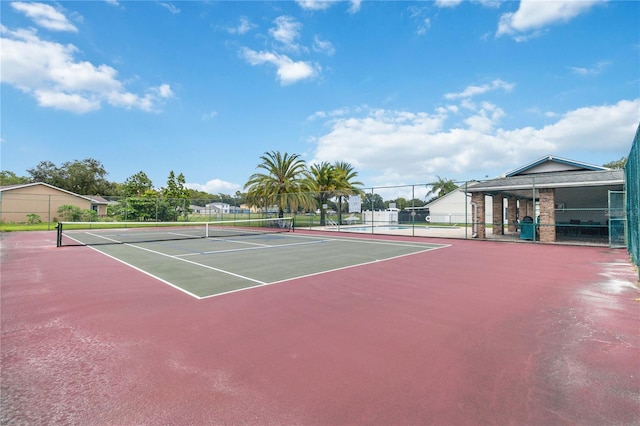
x=358 y=330
x=203 y=260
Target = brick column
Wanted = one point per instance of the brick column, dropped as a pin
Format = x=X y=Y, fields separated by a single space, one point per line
x=512 y=210
x=498 y=214
x=477 y=198
x=547 y=215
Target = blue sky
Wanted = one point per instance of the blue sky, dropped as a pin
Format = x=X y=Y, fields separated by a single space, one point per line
x=404 y=91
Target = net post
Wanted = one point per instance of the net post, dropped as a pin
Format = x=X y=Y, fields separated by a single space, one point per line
x=59 y=234
x=206 y=230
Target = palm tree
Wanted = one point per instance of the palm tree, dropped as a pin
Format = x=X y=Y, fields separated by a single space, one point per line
x=323 y=184
x=345 y=185
x=441 y=187
x=284 y=183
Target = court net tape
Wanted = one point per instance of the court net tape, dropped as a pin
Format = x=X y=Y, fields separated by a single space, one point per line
x=96 y=233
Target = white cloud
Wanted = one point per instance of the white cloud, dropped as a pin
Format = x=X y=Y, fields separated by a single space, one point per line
x=216 y=186
x=288 y=71
x=45 y=16
x=424 y=26
x=68 y=102
x=594 y=70
x=354 y=5
x=532 y=16
x=403 y=147
x=474 y=90
x=315 y=4
x=286 y=31
x=338 y=112
x=170 y=7
x=485 y=119
x=210 y=115
x=243 y=27
x=594 y=128
x=49 y=72
x=455 y=3
x=164 y=91
x=491 y=3
x=448 y=3
x=320 y=45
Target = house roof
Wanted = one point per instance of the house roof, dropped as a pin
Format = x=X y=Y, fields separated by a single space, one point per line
x=573 y=179
x=93 y=199
x=550 y=164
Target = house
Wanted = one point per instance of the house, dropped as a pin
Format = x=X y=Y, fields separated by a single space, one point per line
x=42 y=199
x=454 y=207
x=211 y=209
x=564 y=198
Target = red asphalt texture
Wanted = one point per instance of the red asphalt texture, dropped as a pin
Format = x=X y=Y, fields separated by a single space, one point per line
x=479 y=333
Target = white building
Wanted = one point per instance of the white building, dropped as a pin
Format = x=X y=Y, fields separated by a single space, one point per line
x=211 y=209
x=455 y=207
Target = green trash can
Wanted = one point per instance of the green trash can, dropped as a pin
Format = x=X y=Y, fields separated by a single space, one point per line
x=527 y=228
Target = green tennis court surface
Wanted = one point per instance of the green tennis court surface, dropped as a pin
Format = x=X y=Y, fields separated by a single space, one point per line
x=208 y=267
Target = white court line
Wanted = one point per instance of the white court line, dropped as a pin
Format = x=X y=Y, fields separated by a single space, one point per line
x=262 y=283
x=138 y=269
x=326 y=271
x=370 y=241
x=182 y=260
x=189 y=236
x=261 y=247
x=197 y=264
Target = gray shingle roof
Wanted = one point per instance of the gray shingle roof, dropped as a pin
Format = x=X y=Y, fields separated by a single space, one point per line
x=554 y=159
x=550 y=180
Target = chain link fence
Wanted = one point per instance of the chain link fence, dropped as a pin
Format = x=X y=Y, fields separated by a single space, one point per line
x=413 y=210
x=632 y=177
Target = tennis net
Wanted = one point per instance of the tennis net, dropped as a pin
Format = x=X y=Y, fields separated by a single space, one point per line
x=96 y=233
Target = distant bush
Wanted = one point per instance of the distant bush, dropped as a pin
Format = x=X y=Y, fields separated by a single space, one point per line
x=89 y=215
x=69 y=213
x=33 y=218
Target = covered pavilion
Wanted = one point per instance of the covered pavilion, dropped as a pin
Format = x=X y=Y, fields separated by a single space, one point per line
x=552 y=198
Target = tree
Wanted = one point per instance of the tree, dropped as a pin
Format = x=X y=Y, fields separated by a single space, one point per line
x=9 y=178
x=175 y=186
x=70 y=213
x=176 y=195
x=86 y=177
x=143 y=207
x=618 y=164
x=284 y=183
x=324 y=180
x=416 y=202
x=240 y=198
x=400 y=202
x=441 y=187
x=345 y=185
x=48 y=172
x=136 y=185
x=372 y=201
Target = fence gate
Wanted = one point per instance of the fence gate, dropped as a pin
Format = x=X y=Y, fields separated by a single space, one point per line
x=617 y=219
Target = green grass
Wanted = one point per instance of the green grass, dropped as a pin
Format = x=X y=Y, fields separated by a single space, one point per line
x=14 y=227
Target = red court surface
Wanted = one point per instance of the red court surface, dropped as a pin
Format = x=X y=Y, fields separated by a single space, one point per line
x=479 y=333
